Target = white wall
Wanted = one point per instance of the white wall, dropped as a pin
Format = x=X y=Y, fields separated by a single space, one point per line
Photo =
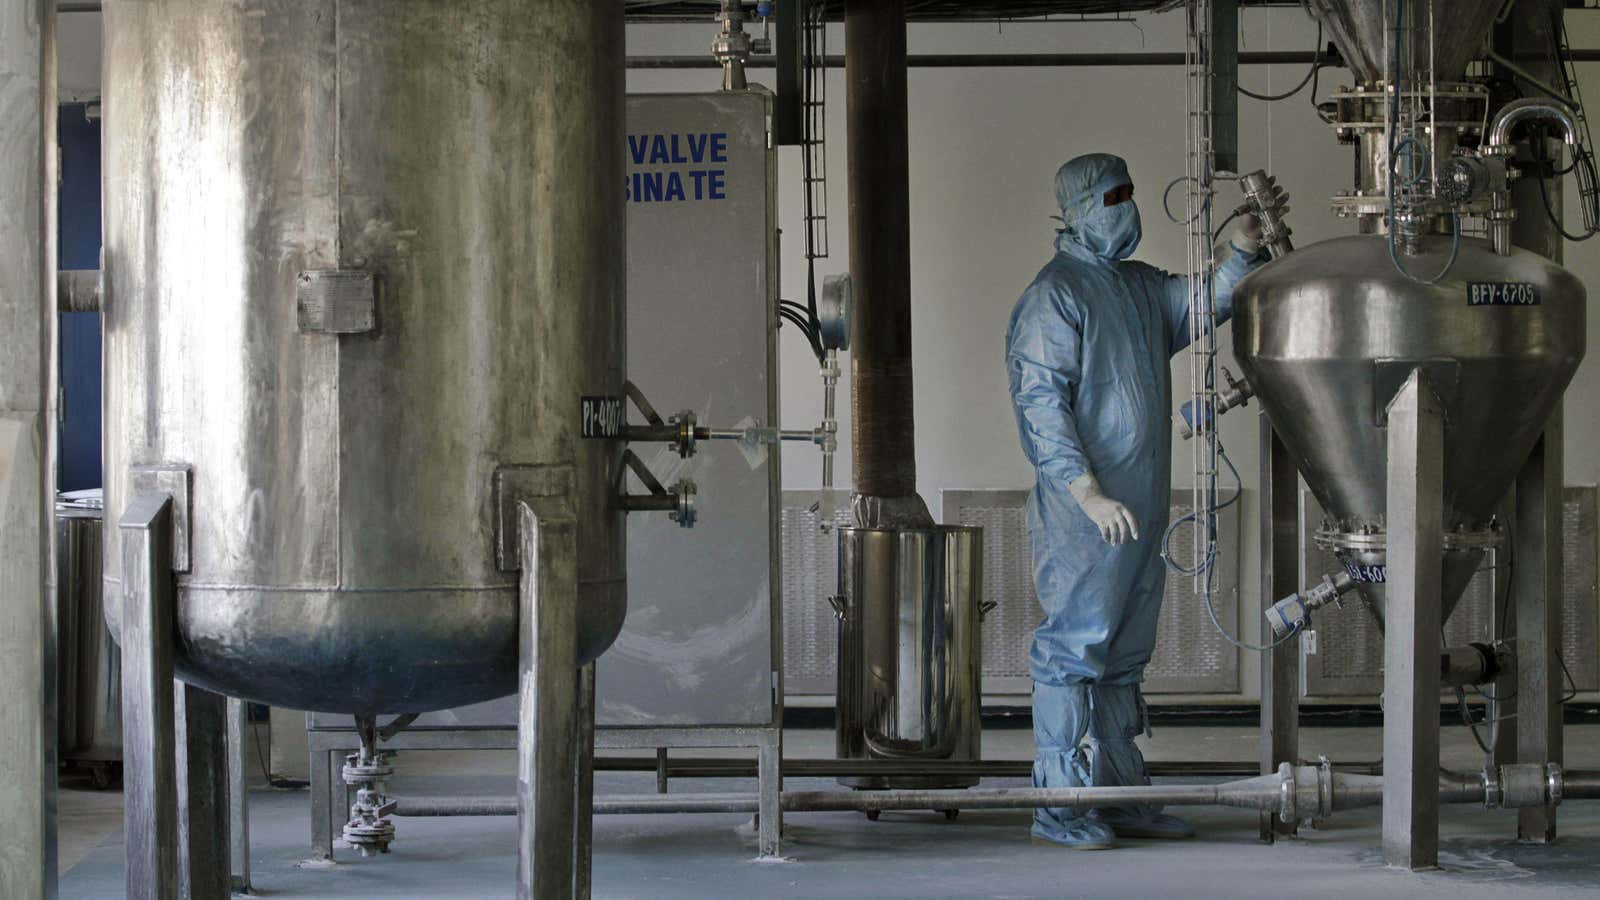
x=985 y=144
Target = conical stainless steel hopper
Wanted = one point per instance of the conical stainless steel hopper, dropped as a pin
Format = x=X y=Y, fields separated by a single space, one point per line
x=1363 y=30
x=1327 y=335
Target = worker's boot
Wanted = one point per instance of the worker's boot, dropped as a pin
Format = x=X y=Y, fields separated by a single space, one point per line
x=1116 y=716
x=1060 y=721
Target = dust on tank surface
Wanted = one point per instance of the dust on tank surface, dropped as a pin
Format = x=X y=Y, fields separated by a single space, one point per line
x=345 y=337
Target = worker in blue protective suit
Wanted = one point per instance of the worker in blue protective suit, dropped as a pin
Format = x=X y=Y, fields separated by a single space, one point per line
x=1087 y=354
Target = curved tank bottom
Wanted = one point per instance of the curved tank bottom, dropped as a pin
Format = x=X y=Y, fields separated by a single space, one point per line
x=374 y=652
x=1327 y=334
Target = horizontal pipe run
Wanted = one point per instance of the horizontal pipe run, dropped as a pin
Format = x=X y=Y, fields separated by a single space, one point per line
x=1033 y=60
x=1580 y=785
x=998 y=60
x=704 y=767
x=1267 y=793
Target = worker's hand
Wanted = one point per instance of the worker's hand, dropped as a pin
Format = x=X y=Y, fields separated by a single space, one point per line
x=1116 y=522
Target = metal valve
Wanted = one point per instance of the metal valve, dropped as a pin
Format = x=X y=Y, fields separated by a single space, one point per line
x=1235 y=392
x=1270 y=205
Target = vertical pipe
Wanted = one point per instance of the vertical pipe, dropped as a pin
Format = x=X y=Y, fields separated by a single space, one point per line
x=27 y=309
x=1224 y=85
x=1533 y=731
x=1411 y=633
x=1280 y=577
x=880 y=254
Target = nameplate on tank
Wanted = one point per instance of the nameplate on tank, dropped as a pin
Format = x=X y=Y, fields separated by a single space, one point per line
x=1367 y=574
x=1502 y=293
x=336 y=301
x=601 y=417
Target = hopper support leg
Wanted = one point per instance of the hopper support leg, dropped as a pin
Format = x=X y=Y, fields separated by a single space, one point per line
x=1411 y=638
x=1280 y=577
x=1536 y=593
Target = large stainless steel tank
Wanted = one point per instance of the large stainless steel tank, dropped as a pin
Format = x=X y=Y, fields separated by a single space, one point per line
x=1328 y=333
x=344 y=515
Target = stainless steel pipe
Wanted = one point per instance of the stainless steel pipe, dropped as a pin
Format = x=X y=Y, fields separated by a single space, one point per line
x=1294 y=792
x=1518 y=111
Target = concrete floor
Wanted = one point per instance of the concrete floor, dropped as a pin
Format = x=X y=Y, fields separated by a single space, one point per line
x=982 y=854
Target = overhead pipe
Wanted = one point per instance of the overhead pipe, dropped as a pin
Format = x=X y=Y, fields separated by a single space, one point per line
x=880 y=267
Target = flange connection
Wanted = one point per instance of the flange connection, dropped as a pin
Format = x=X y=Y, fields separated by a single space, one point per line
x=369 y=828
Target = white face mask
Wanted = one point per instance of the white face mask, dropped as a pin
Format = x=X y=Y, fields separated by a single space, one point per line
x=1111 y=232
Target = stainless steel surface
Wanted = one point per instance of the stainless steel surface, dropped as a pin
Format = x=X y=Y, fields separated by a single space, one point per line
x=27 y=313
x=150 y=793
x=702 y=287
x=1190 y=656
x=200 y=743
x=1344 y=659
x=1280 y=666
x=1363 y=31
x=1526 y=110
x=89 y=668
x=1325 y=334
x=909 y=647
x=547 y=727
x=343 y=533
x=1536 y=583
x=1411 y=638
x=239 y=794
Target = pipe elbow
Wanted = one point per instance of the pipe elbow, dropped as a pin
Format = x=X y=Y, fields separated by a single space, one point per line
x=1518 y=111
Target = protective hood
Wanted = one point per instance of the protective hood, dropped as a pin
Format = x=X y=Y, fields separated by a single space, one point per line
x=1108 y=232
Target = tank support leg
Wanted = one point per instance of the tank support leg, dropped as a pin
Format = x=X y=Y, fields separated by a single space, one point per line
x=1411 y=636
x=200 y=718
x=548 y=729
x=769 y=759
x=583 y=808
x=172 y=733
x=1280 y=577
x=238 y=798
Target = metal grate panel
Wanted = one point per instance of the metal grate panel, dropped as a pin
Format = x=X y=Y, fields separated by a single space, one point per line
x=810 y=575
x=1190 y=657
x=1348 y=657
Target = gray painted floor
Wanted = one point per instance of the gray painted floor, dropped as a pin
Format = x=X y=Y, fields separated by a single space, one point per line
x=982 y=854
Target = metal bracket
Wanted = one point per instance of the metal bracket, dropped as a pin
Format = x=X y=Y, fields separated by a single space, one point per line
x=336 y=301
x=546 y=489
x=176 y=480
x=1390 y=375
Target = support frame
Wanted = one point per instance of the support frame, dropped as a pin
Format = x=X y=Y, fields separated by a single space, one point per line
x=1412 y=624
x=1280 y=577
